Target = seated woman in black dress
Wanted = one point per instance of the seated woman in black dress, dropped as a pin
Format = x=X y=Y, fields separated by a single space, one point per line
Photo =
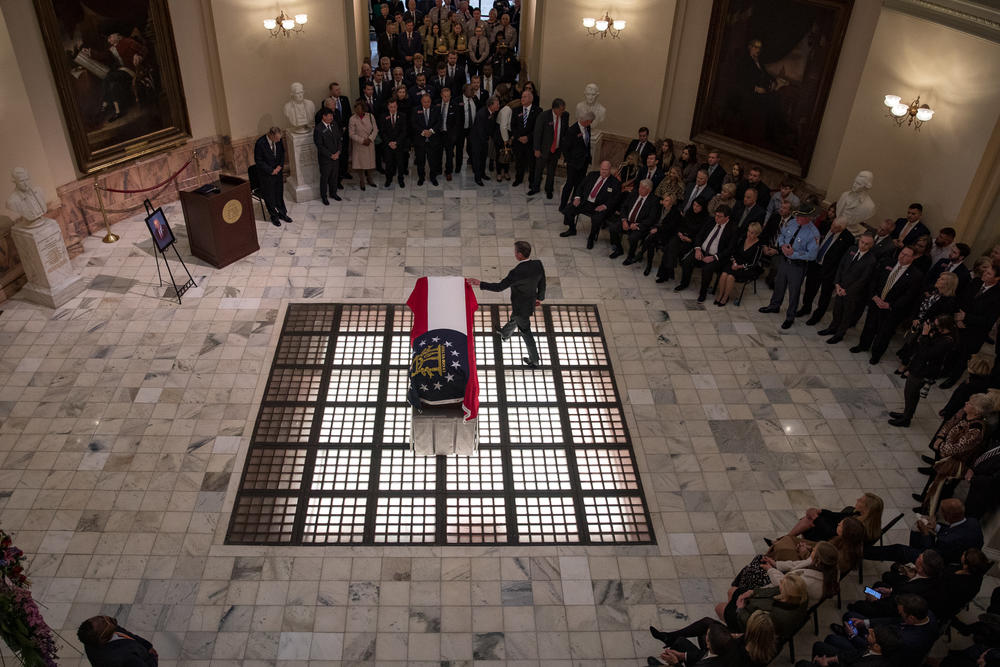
x=755 y=647
x=744 y=266
x=818 y=525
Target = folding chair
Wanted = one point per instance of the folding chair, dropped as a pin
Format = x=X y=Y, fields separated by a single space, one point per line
x=254 y=178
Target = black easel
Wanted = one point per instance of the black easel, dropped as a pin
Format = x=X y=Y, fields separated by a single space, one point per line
x=190 y=281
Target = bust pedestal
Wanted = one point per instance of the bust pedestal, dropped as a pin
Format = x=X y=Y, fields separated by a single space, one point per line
x=303 y=183
x=596 y=146
x=51 y=279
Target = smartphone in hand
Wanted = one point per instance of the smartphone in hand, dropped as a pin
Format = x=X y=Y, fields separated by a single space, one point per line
x=872 y=592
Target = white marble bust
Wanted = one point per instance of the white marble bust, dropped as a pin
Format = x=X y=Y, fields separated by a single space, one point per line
x=27 y=201
x=591 y=93
x=855 y=205
x=299 y=111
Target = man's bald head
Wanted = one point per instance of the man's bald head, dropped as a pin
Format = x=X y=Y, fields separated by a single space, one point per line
x=952 y=510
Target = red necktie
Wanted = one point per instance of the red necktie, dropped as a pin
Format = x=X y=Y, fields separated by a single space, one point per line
x=597 y=188
x=555 y=134
x=635 y=210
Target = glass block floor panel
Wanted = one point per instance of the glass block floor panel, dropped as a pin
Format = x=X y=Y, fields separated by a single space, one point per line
x=329 y=461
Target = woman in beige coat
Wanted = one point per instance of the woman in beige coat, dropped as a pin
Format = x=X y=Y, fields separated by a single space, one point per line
x=363 y=131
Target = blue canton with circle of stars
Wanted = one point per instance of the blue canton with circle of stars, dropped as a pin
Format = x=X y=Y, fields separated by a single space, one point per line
x=439 y=368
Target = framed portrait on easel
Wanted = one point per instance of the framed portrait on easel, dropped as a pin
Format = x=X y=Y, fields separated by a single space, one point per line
x=160 y=230
x=766 y=77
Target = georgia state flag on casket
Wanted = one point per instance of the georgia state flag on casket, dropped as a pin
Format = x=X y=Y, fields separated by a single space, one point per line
x=443 y=365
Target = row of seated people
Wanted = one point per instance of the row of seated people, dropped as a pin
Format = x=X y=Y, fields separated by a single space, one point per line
x=897 y=622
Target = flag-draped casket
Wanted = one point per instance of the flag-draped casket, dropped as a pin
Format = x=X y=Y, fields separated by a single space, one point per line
x=443 y=361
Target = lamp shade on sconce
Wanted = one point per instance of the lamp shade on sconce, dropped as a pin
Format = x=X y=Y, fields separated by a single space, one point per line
x=891 y=100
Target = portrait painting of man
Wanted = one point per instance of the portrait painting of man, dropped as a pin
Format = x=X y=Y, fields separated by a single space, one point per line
x=117 y=75
x=766 y=75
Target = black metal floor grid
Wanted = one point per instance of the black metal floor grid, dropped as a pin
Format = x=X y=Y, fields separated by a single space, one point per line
x=329 y=462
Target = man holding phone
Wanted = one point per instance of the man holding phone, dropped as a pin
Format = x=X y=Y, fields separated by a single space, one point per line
x=882 y=643
x=916 y=628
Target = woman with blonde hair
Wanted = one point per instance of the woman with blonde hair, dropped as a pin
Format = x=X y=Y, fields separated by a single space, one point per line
x=755 y=646
x=980 y=366
x=954 y=445
x=744 y=265
x=849 y=542
x=760 y=640
x=819 y=571
x=938 y=300
x=672 y=184
x=818 y=525
x=787 y=603
x=726 y=197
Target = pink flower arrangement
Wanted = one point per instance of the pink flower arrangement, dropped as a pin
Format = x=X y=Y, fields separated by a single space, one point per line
x=22 y=627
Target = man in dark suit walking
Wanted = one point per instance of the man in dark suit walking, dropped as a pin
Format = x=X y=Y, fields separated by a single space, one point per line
x=522 y=134
x=449 y=112
x=269 y=160
x=326 y=136
x=896 y=289
x=527 y=290
x=639 y=213
x=850 y=287
x=821 y=273
x=712 y=249
x=576 y=154
x=483 y=128
x=394 y=129
x=596 y=196
x=426 y=142
x=550 y=129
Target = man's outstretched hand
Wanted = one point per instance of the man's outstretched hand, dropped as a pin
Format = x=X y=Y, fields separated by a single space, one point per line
x=473 y=281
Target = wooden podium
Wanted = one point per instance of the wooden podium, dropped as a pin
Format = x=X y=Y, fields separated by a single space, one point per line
x=220 y=226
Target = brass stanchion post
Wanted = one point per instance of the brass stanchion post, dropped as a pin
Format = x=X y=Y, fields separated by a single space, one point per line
x=110 y=237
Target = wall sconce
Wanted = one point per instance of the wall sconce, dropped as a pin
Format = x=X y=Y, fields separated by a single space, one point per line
x=284 y=25
x=914 y=113
x=604 y=26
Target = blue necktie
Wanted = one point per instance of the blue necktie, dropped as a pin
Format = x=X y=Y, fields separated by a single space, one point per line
x=823 y=248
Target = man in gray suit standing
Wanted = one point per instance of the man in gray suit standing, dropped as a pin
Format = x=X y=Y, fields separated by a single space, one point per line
x=851 y=288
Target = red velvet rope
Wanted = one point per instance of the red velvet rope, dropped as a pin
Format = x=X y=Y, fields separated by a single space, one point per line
x=158 y=185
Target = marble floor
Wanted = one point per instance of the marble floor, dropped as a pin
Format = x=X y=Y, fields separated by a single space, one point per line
x=125 y=419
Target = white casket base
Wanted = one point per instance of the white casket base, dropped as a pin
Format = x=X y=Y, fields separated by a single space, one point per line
x=442 y=431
